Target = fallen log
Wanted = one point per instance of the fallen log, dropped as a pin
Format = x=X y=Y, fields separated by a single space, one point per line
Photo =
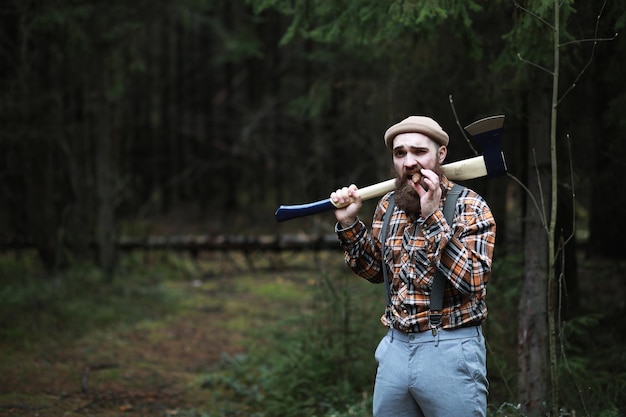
x=200 y=243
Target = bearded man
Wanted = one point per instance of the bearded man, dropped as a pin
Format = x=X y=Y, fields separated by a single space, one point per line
x=424 y=369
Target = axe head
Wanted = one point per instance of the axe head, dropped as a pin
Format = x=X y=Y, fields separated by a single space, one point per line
x=487 y=134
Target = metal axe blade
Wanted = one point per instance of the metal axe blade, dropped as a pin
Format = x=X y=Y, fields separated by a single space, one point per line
x=487 y=134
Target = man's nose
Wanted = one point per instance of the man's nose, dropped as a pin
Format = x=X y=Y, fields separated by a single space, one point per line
x=410 y=161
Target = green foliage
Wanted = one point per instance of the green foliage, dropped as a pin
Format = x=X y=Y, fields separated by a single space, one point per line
x=423 y=13
x=326 y=361
x=235 y=387
x=318 y=362
x=358 y=23
x=591 y=365
x=311 y=331
x=35 y=307
x=503 y=293
x=531 y=38
x=591 y=370
x=506 y=409
x=316 y=103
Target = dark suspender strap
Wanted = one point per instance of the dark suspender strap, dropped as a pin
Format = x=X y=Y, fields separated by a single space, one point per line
x=383 y=238
x=439 y=281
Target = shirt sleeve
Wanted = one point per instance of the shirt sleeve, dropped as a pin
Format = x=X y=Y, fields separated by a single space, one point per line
x=363 y=248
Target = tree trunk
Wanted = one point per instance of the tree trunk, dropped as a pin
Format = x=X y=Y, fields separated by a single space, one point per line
x=105 y=219
x=532 y=321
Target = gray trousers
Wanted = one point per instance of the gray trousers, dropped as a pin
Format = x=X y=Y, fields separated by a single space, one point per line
x=421 y=375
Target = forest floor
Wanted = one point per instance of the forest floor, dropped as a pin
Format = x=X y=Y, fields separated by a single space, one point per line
x=160 y=366
x=151 y=368
x=154 y=367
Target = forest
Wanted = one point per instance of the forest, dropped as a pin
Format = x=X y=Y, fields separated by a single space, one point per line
x=152 y=120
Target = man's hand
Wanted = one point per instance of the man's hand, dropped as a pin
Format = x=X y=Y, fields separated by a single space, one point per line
x=429 y=192
x=346 y=216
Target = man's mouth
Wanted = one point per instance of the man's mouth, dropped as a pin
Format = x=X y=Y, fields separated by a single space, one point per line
x=416 y=177
x=414 y=173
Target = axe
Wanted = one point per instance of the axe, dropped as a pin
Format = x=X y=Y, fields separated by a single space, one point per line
x=485 y=132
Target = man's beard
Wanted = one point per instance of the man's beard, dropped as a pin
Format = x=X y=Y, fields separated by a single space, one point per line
x=406 y=197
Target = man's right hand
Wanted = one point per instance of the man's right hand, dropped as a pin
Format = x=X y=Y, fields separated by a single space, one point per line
x=346 y=216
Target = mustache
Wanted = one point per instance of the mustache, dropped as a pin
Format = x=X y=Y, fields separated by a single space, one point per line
x=410 y=172
x=404 y=181
x=410 y=176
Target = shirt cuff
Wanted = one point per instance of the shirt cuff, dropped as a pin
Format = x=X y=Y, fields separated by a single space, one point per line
x=433 y=225
x=351 y=233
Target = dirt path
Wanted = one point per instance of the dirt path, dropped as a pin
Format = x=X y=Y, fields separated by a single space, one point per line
x=140 y=372
x=150 y=368
x=161 y=366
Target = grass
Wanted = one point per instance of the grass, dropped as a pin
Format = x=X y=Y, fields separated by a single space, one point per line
x=225 y=334
x=163 y=321
x=59 y=309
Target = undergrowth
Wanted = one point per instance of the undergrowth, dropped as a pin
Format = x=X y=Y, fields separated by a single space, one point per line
x=37 y=307
x=314 y=354
x=325 y=367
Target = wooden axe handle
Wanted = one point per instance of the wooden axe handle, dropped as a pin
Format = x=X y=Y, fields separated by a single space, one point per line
x=461 y=170
x=465 y=169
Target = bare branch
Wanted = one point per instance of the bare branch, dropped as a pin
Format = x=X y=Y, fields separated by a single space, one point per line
x=561 y=340
x=536 y=16
x=458 y=123
x=504 y=379
x=571 y=173
x=565 y=240
x=595 y=41
x=542 y=210
x=519 y=56
x=530 y=194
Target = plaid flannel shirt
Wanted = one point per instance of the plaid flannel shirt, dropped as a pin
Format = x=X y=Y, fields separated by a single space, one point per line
x=415 y=248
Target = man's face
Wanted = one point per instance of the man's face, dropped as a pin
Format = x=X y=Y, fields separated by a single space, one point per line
x=411 y=153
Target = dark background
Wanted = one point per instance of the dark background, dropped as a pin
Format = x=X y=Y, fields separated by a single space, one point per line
x=213 y=113
x=150 y=120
